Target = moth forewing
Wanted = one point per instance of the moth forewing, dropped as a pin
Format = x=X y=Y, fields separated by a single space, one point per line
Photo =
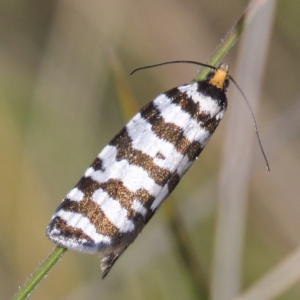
x=138 y=169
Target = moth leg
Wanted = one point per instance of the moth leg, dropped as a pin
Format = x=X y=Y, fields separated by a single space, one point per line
x=109 y=260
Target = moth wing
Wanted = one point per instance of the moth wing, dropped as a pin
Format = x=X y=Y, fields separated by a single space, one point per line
x=128 y=181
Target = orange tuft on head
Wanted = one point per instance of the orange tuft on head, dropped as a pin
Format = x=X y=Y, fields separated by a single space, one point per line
x=220 y=76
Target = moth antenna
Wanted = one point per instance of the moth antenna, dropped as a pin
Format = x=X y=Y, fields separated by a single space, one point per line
x=235 y=83
x=173 y=62
x=254 y=122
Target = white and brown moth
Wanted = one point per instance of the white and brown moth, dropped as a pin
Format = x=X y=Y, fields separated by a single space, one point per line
x=138 y=169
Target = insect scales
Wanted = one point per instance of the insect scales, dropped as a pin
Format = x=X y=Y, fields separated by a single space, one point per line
x=139 y=168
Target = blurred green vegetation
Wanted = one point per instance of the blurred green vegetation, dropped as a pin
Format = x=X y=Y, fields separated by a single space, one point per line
x=59 y=107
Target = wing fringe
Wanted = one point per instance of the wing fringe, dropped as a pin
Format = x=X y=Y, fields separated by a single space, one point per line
x=109 y=260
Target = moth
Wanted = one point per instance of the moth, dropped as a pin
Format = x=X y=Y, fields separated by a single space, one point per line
x=138 y=169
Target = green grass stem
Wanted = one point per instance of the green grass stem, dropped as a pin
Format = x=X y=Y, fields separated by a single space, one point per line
x=231 y=37
x=40 y=273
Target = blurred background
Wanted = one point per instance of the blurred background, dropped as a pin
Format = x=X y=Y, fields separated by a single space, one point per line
x=59 y=107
